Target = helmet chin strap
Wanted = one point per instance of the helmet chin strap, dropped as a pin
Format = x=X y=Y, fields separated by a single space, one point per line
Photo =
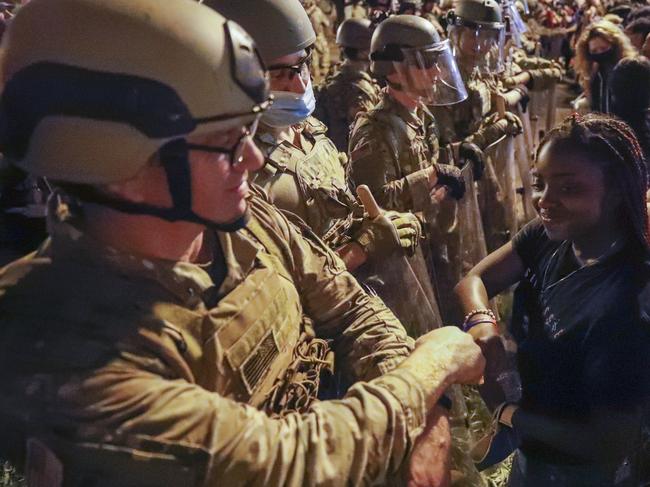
x=175 y=161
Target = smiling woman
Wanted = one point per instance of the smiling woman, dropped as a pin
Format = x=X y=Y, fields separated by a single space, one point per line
x=580 y=313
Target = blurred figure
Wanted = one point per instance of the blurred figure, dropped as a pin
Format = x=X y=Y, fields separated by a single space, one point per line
x=638 y=31
x=630 y=88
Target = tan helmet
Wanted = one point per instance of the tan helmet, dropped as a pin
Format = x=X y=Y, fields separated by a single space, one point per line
x=95 y=88
x=355 y=34
x=279 y=27
x=395 y=33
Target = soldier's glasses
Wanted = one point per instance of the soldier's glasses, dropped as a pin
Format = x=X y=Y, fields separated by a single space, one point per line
x=301 y=68
x=236 y=152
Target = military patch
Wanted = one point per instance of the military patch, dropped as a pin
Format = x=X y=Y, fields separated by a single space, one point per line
x=257 y=364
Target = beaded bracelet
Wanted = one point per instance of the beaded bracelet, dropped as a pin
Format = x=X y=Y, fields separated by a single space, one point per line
x=484 y=311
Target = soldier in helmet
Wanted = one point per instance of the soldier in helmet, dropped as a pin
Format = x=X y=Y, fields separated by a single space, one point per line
x=164 y=332
x=350 y=89
x=477 y=33
x=320 y=53
x=394 y=147
x=304 y=173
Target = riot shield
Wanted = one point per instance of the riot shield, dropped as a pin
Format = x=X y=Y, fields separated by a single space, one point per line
x=506 y=170
x=472 y=237
x=402 y=282
x=524 y=160
x=551 y=102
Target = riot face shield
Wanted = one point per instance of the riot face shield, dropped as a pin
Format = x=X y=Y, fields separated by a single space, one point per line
x=515 y=25
x=431 y=74
x=478 y=47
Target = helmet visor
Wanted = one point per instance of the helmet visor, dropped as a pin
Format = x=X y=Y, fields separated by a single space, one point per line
x=431 y=74
x=516 y=25
x=478 y=47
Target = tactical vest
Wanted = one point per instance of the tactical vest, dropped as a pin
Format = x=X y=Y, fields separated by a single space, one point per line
x=412 y=147
x=314 y=186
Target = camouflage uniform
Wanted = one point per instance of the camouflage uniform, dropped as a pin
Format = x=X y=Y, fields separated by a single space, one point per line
x=177 y=373
x=388 y=147
x=321 y=50
x=310 y=181
x=345 y=93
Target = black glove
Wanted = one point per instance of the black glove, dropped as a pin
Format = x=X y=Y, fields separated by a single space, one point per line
x=472 y=153
x=451 y=177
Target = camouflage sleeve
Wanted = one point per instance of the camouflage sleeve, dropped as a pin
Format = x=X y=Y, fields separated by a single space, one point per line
x=368 y=339
x=373 y=164
x=359 y=440
x=490 y=132
x=542 y=79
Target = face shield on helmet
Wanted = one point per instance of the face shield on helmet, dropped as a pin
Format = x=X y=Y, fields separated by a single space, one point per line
x=515 y=25
x=478 y=46
x=431 y=74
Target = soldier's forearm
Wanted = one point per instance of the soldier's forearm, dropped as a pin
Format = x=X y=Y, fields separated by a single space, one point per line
x=488 y=134
x=512 y=98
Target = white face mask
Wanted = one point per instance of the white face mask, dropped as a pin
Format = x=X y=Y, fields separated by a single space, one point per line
x=289 y=108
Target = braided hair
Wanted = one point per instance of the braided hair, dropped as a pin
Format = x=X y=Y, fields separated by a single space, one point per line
x=611 y=144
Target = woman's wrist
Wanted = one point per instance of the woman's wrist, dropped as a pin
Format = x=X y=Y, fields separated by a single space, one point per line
x=478 y=317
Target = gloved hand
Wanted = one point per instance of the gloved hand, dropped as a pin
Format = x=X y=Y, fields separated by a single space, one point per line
x=514 y=127
x=408 y=228
x=450 y=176
x=499 y=443
x=472 y=153
x=381 y=236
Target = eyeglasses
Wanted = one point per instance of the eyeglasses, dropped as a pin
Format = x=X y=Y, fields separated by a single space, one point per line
x=301 y=68
x=236 y=152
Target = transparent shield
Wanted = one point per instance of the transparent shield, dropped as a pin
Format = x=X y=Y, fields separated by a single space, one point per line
x=431 y=74
x=404 y=285
x=472 y=237
x=478 y=48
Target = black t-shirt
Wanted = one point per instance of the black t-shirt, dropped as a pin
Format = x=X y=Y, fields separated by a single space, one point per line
x=582 y=332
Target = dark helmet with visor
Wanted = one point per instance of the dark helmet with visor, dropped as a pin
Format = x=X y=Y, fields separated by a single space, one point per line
x=409 y=47
x=477 y=33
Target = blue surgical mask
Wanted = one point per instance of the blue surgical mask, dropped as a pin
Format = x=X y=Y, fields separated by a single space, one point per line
x=289 y=108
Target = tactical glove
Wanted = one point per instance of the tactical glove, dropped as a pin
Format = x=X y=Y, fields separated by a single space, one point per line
x=514 y=127
x=408 y=228
x=451 y=177
x=472 y=153
x=381 y=236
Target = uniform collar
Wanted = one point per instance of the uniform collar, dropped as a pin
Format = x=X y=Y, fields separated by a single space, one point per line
x=413 y=119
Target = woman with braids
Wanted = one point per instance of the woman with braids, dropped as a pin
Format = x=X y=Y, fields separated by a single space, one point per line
x=581 y=312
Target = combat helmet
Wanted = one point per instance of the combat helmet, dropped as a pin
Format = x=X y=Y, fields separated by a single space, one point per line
x=106 y=86
x=279 y=27
x=354 y=34
x=409 y=47
x=477 y=33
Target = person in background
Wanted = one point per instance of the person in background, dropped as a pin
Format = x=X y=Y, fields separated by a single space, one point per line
x=600 y=47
